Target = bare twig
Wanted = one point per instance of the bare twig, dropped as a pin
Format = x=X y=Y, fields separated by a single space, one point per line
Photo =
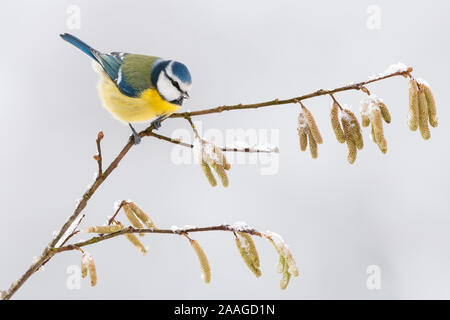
x=183 y=232
x=51 y=248
x=98 y=156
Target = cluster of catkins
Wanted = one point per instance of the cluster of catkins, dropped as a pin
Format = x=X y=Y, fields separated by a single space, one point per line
x=286 y=265
x=374 y=111
x=88 y=265
x=350 y=132
x=422 y=110
x=137 y=218
x=209 y=155
x=308 y=132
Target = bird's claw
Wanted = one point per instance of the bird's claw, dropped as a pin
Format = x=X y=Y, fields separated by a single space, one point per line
x=136 y=138
x=156 y=123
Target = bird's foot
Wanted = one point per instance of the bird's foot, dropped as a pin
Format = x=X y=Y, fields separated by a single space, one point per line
x=157 y=122
x=136 y=137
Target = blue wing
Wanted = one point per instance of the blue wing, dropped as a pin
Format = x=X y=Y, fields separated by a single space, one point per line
x=111 y=63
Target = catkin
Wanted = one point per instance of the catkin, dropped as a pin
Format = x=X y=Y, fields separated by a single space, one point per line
x=136 y=243
x=334 y=115
x=302 y=134
x=132 y=217
x=92 y=271
x=223 y=160
x=413 y=113
x=285 y=280
x=84 y=265
x=377 y=125
x=282 y=265
x=385 y=112
x=423 y=116
x=142 y=215
x=312 y=145
x=204 y=264
x=351 y=157
x=251 y=248
x=208 y=173
x=355 y=129
x=349 y=139
x=103 y=229
x=221 y=173
x=357 y=136
x=431 y=103
x=246 y=257
x=312 y=126
x=303 y=138
x=365 y=120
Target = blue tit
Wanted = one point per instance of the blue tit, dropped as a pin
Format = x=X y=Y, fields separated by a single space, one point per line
x=137 y=88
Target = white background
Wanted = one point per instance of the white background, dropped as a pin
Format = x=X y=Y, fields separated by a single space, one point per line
x=388 y=210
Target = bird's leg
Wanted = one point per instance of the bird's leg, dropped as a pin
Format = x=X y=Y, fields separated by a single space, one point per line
x=157 y=122
x=136 y=137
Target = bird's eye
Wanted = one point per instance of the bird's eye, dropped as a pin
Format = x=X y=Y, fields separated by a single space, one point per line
x=175 y=84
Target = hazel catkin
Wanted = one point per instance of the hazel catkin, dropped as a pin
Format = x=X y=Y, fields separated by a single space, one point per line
x=314 y=129
x=334 y=116
x=413 y=113
x=423 y=116
x=204 y=264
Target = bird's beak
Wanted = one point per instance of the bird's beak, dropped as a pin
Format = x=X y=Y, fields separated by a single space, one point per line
x=185 y=95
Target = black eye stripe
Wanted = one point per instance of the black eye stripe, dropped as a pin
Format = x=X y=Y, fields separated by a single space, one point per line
x=174 y=83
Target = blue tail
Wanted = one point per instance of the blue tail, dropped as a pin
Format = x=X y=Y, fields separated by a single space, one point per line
x=79 y=44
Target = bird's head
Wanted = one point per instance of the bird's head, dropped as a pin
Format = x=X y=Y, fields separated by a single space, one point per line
x=172 y=80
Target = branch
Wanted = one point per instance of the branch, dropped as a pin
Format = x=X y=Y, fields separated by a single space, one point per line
x=276 y=102
x=128 y=230
x=54 y=245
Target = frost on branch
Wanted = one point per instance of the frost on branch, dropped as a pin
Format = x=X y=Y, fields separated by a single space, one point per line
x=393 y=68
x=69 y=231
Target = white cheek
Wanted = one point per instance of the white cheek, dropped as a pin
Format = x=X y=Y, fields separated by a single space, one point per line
x=166 y=89
x=185 y=87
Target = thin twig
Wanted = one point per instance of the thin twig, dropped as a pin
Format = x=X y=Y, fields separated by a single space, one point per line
x=98 y=156
x=226 y=149
x=117 y=211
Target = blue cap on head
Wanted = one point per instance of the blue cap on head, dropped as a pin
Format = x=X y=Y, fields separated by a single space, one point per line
x=181 y=72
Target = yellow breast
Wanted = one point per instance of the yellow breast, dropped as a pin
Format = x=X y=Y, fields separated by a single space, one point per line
x=146 y=107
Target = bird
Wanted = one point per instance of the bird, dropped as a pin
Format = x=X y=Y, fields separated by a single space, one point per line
x=135 y=87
